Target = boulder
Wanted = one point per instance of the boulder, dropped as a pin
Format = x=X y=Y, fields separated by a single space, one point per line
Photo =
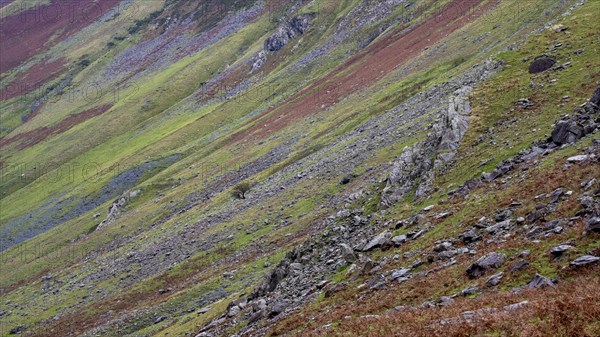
x=277 y=308
x=521 y=264
x=485 y=263
x=541 y=64
x=578 y=159
x=592 y=224
x=566 y=132
x=347 y=179
x=383 y=241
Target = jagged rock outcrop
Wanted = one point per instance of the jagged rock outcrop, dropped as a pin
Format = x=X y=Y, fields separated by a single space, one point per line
x=415 y=167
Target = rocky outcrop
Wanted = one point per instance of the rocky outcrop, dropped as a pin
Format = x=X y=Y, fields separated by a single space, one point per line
x=415 y=167
x=115 y=209
x=287 y=31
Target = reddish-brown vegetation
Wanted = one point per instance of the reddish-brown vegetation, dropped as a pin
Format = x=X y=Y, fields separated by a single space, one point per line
x=42 y=26
x=32 y=80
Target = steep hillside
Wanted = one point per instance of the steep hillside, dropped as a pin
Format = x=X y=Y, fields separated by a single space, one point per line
x=304 y=167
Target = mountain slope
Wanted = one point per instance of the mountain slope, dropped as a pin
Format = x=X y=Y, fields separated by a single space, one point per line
x=125 y=133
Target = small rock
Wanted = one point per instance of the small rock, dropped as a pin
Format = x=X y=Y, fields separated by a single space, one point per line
x=471 y=290
x=399 y=240
x=255 y=317
x=233 y=311
x=555 y=196
x=442 y=215
x=160 y=319
x=521 y=264
x=540 y=281
x=470 y=236
x=348 y=253
x=444 y=301
x=347 y=179
x=277 y=308
x=494 y=280
x=399 y=273
x=428 y=208
x=503 y=215
x=560 y=249
x=17 y=330
x=516 y=306
x=585 y=260
x=559 y=28
x=260 y=304
x=578 y=159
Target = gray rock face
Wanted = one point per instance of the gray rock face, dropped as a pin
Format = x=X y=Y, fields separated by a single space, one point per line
x=585 y=260
x=259 y=61
x=485 y=263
